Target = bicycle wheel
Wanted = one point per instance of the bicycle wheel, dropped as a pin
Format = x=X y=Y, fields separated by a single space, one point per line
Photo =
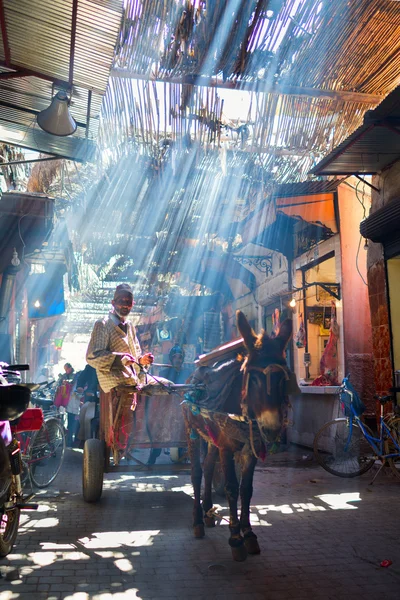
x=46 y=453
x=9 y=522
x=394 y=463
x=340 y=454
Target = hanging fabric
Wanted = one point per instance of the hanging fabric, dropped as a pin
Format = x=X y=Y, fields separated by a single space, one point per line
x=329 y=363
x=276 y=324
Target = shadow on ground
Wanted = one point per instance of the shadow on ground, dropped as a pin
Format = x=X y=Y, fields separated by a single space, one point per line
x=321 y=537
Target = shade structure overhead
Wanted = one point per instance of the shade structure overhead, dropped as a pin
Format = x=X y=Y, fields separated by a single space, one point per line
x=372 y=147
x=46 y=46
x=264 y=42
x=293 y=217
x=367 y=151
x=290 y=79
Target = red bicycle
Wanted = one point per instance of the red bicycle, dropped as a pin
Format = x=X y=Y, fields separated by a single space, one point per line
x=15 y=419
x=42 y=450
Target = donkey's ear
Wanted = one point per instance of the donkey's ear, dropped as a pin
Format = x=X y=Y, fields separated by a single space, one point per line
x=285 y=332
x=245 y=330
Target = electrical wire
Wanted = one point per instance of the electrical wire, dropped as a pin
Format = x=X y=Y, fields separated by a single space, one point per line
x=357 y=267
x=361 y=237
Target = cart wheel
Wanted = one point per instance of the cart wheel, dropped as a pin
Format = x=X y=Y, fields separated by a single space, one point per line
x=93 y=469
x=218 y=481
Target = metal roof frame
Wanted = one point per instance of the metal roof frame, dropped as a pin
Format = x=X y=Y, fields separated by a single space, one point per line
x=50 y=44
x=372 y=147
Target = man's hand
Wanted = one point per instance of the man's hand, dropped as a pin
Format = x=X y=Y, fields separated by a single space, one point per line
x=146 y=359
x=79 y=390
x=127 y=359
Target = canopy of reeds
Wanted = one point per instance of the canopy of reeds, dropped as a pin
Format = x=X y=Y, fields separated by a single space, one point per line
x=286 y=79
x=210 y=105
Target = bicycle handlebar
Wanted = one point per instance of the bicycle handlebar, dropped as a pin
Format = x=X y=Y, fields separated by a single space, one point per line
x=382 y=399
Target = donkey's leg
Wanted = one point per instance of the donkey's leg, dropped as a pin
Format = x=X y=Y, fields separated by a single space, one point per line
x=208 y=468
x=238 y=548
x=196 y=473
x=249 y=462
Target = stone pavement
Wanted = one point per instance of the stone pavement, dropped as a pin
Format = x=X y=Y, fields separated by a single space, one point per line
x=322 y=537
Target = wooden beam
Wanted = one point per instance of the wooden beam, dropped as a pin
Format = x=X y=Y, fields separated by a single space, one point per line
x=13 y=75
x=72 y=43
x=89 y=104
x=301 y=153
x=31 y=73
x=4 y=34
x=30 y=160
x=259 y=86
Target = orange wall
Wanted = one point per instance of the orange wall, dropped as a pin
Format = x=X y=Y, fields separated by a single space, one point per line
x=356 y=312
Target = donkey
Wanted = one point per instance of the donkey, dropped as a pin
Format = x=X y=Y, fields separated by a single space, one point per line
x=252 y=417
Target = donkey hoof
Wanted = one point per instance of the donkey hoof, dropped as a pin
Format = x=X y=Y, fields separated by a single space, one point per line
x=239 y=553
x=198 y=531
x=251 y=544
x=209 y=521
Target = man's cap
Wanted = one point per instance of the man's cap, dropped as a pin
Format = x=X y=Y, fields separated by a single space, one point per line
x=176 y=350
x=124 y=289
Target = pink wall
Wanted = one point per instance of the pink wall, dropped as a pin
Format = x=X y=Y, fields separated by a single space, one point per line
x=356 y=311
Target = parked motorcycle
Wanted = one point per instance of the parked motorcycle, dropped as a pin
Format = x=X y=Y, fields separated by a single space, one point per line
x=14 y=417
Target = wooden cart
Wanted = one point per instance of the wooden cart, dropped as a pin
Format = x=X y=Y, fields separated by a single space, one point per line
x=156 y=422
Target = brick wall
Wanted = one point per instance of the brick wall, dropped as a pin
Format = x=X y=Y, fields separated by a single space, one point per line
x=383 y=373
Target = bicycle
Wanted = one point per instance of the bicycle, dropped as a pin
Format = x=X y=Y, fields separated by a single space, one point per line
x=15 y=417
x=347 y=447
x=43 y=452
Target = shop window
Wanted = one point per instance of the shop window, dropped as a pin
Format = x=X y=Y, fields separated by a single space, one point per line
x=317 y=305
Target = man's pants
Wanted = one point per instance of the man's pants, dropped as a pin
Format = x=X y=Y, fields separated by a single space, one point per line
x=73 y=426
x=117 y=419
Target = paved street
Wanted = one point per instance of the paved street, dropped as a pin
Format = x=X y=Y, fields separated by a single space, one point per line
x=321 y=537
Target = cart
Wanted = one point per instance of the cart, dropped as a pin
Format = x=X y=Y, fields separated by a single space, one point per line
x=156 y=422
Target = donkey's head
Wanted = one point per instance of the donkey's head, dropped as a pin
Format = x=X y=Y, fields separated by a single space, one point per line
x=265 y=376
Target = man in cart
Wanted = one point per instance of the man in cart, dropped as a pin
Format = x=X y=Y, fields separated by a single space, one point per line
x=114 y=351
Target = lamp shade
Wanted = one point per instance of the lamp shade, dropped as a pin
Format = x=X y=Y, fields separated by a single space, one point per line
x=56 y=119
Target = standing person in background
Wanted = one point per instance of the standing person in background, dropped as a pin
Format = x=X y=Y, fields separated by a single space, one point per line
x=114 y=351
x=63 y=396
x=72 y=409
x=87 y=385
x=43 y=376
x=176 y=372
x=68 y=375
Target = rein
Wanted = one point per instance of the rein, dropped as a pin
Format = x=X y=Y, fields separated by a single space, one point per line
x=272 y=368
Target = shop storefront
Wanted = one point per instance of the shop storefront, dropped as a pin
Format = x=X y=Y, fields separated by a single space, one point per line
x=317 y=303
x=317 y=278
x=319 y=357
x=332 y=327
x=382 y=227
x=373 y=150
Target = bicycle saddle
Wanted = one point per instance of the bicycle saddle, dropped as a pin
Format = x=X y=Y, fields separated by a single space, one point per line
x=384 y=399
x=44 y=402
x=32 y=386
x=14 y=400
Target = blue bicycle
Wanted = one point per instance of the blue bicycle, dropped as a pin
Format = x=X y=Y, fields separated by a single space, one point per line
x=346 y=447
